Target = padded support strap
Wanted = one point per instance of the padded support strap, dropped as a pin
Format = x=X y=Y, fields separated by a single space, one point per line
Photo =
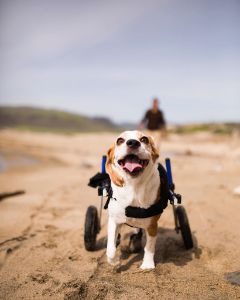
x=157 y=208
x=103 y=180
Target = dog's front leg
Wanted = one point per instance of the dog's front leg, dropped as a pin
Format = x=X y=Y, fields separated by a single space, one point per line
x=149 y=250
x=111 y=242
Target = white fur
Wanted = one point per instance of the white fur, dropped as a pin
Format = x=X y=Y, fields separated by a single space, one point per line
x=140 y=191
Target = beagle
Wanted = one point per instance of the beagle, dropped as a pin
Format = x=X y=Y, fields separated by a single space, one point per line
x=133 y=170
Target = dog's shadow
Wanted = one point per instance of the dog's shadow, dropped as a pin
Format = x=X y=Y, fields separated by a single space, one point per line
x=169 y=248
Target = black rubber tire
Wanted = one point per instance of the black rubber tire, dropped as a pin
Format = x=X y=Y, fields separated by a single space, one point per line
x=184 y=227
x=91 y=228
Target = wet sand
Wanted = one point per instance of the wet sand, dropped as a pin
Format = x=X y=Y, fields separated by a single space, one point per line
x=42 y=254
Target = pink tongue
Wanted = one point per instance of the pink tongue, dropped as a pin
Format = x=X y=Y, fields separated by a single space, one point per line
x=131 y=166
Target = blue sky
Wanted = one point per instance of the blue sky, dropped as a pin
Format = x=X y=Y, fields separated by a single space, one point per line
x=111 y=57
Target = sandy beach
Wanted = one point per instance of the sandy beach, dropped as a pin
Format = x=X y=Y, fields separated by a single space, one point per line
x=42 y=254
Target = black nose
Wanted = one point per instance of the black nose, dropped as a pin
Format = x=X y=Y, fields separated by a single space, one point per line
x=133 y=144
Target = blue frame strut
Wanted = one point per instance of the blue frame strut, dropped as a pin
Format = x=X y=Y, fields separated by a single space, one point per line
x=169 y=172
x=104 y=159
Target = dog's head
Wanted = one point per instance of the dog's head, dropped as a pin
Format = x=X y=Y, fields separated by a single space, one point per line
x=131 y=155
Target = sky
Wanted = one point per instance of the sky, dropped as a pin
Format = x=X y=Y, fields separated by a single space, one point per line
x=110 y=58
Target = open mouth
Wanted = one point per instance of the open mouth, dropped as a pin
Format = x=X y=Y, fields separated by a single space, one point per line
x=132 y=164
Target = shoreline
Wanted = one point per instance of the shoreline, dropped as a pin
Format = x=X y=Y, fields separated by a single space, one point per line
x=42 y=253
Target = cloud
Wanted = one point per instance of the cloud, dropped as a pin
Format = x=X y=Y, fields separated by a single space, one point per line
x=33 y=31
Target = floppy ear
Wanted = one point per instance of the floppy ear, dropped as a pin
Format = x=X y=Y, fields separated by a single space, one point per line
x=155 y=151
x=116 y=179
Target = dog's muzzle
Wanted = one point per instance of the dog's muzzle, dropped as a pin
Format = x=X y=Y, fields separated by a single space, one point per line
x=132 y=164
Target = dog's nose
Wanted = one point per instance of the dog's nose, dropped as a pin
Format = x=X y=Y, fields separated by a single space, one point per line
x=133 y=144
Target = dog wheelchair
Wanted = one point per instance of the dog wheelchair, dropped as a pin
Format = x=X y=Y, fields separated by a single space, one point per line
x=93 y=217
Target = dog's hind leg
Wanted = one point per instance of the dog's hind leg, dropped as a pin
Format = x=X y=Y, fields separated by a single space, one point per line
x=135 y=243
x=111 y=242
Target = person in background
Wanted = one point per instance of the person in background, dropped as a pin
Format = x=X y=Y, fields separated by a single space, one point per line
x=154 y=122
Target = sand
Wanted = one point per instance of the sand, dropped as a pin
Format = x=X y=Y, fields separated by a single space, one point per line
x=42 y=254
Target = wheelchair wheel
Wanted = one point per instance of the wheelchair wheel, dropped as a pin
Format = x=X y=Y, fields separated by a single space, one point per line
x=91 y=228
x=184 y=227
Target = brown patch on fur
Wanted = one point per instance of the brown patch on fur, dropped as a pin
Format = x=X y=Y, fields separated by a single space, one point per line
x=115 y=178
x=155 y=152
x=153 y=227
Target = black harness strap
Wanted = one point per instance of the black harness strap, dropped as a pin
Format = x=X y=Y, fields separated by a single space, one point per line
x=109 y=197
x=138 y=212
x=102 y=180
x=157 y=208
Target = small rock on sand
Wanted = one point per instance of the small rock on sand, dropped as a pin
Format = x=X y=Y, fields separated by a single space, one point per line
x=236 y=191
x=233 y=277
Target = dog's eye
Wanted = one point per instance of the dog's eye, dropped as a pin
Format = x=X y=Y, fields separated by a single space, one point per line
x=144 y=140
x=120 y=141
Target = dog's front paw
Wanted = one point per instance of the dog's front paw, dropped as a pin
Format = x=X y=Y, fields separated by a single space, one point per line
x=115 y=261
x=147 y=265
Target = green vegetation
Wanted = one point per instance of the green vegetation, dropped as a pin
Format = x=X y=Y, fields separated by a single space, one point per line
x=216 y=128
x=38 y=119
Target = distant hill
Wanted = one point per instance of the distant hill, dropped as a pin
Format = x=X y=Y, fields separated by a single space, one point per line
x=39 y=119
x=52 y=120
x=129 y=126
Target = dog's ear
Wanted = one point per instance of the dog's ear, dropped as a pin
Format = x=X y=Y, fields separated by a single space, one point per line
x=115 y=178
x=155 y=151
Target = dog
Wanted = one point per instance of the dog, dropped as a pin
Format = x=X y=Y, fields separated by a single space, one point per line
x=133 y=169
